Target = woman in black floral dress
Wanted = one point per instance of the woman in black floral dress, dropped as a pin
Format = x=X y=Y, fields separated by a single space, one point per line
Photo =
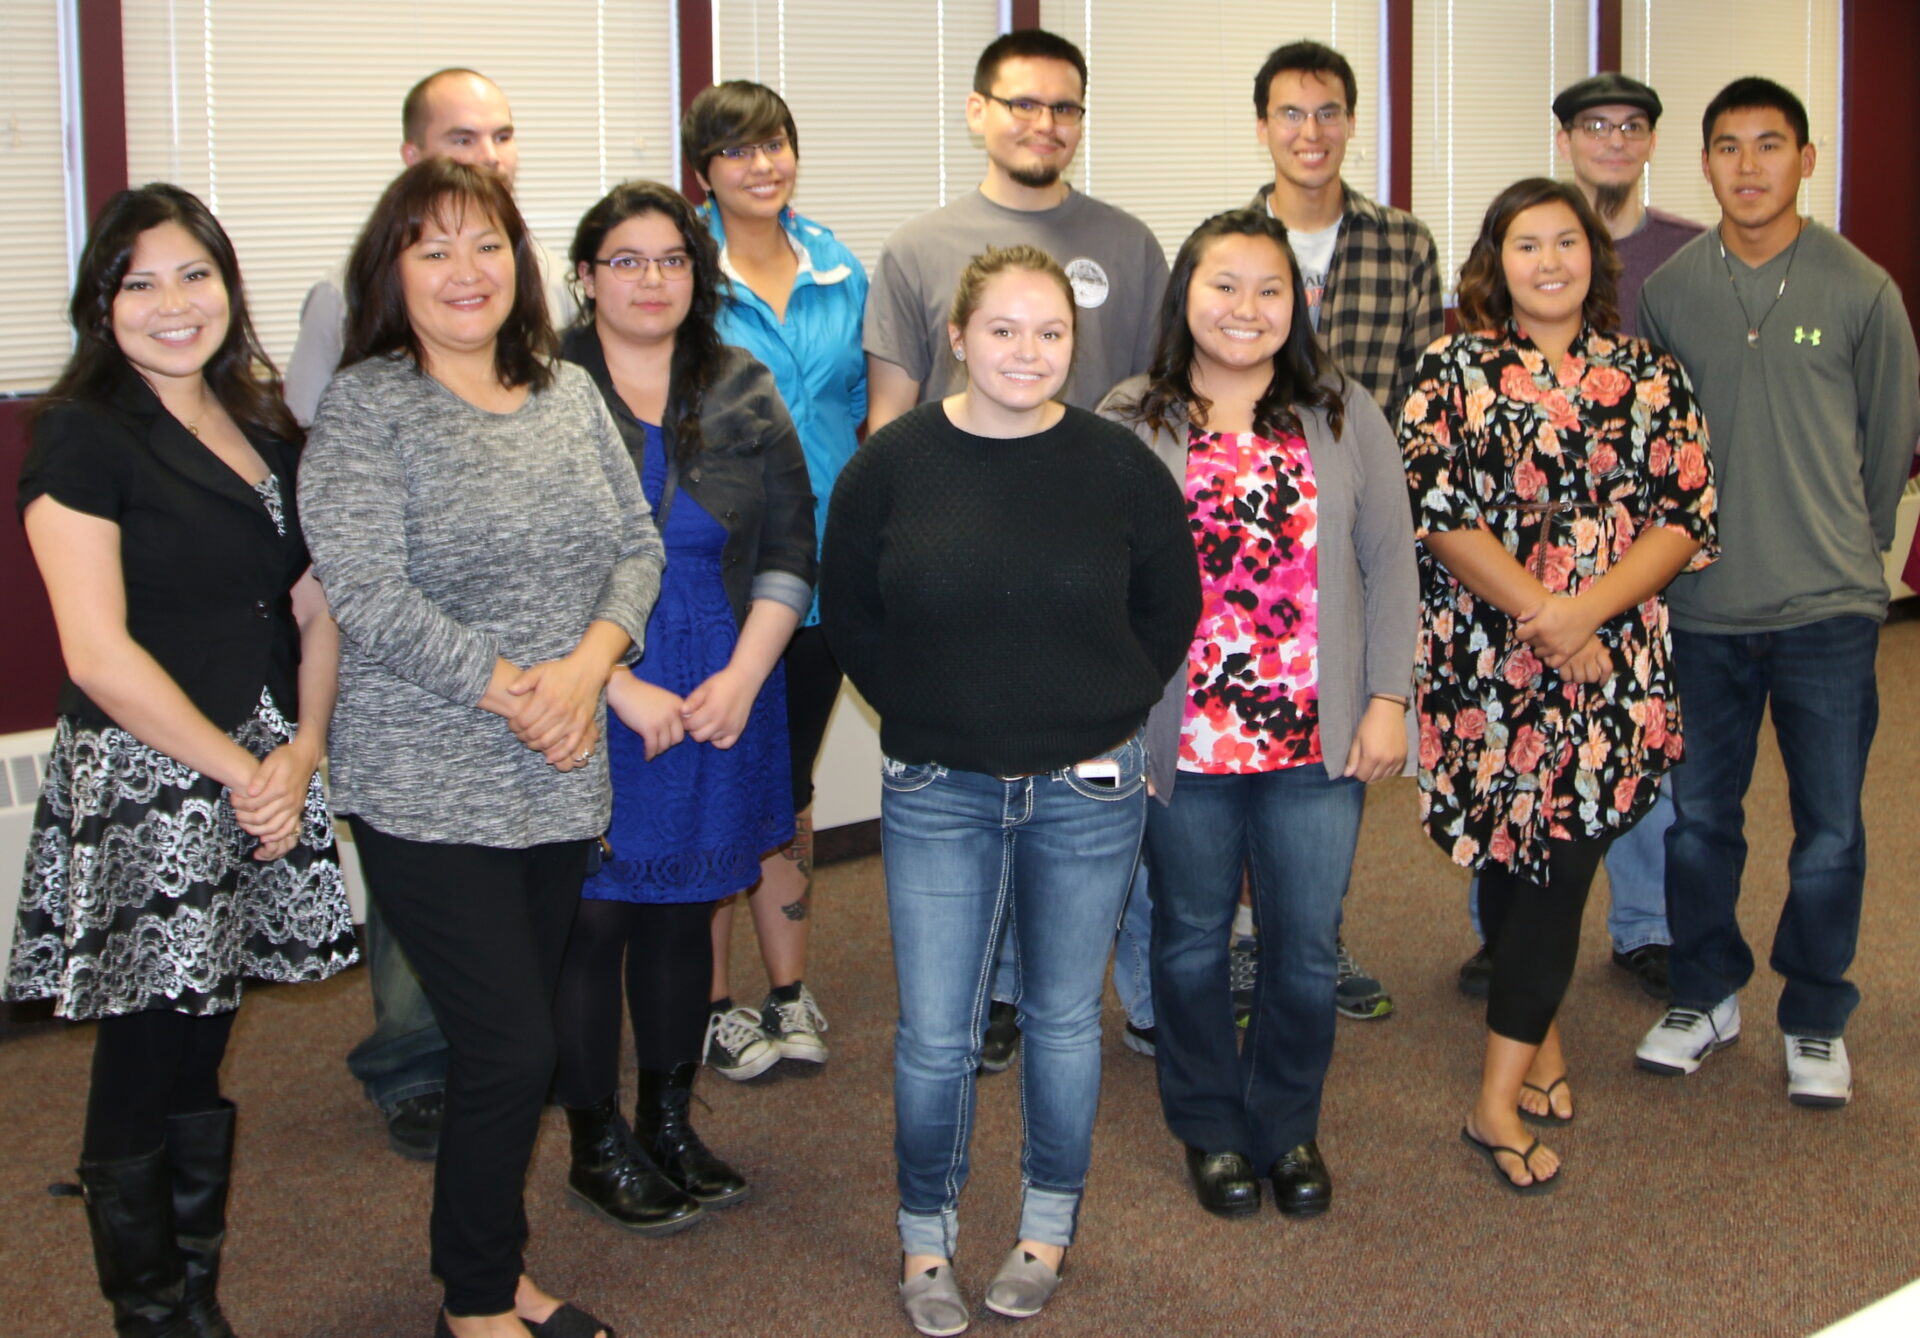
x=1559 y=479
x=182 y=841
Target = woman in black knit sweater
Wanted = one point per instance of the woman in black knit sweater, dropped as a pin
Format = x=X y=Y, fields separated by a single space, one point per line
x=1009 y=582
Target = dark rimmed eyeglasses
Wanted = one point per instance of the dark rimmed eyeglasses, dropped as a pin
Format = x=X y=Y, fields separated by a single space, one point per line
x=1029 y=109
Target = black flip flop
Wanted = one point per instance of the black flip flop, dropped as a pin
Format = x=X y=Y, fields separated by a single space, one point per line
x=1488 y=1150
x=1550 y=1120
x=569 y=1321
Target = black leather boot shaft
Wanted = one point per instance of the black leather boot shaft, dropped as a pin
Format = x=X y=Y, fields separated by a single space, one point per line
x=130 y=1215
x=614 y=1178
x=664 y=1127
x=200 y=1151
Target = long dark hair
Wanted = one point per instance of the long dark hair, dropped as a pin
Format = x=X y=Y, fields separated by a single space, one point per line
x=1485 y=303
x=443 y=190
x=1302 y=372
x=98 y=366
x=698 y=353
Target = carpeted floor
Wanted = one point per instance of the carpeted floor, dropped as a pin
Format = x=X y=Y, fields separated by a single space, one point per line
x=1697 y=1206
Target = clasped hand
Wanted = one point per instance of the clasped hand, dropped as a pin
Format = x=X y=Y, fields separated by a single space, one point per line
x=553 y=708
x=273 y=800
x=1559 y=630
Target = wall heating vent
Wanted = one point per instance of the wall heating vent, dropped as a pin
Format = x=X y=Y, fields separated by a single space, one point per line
x=23 y=761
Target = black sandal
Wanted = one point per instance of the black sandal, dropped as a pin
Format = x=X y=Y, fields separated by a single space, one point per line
x=569 y=1321
x=1552 y=1119
x=1488 y=1150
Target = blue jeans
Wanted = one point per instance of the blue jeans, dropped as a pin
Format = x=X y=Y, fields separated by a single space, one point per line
x=405 y=1055
x=1819 y=682
x=1132 y=957
x=1297 y=830
x=964 y=852
x=1637 y=875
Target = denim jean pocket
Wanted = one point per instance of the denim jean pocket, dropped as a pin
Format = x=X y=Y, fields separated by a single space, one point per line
x=1122 y=780
x=906 y=777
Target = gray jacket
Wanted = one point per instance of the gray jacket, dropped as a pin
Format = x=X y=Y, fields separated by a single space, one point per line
x=1369 y=589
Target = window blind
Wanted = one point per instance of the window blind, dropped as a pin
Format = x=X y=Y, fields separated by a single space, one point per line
x=1690 y=51
x=1485 y=73
x=285 y=117
x=881 y=147
x=1170 y=128
x=34 y=208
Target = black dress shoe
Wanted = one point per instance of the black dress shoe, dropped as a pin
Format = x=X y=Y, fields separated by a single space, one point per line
x=413 y=1126
x=1476 y=973
x=1224 y=1182
x=1301 y=1184
x=1647 y=965
x=1002 y=1037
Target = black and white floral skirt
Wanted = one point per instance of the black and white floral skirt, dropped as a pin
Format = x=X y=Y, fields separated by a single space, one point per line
x=141 y=890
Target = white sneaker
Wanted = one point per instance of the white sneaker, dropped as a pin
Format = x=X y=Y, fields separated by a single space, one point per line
x=1818 y=1072
x=736 y=1047
x=794 y=1027
x=1685 y=1036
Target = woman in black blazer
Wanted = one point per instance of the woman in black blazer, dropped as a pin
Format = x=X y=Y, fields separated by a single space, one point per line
x=182 y=840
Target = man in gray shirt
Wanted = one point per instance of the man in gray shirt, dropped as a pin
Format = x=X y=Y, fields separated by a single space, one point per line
x=1802 y=357
x=1027 y=105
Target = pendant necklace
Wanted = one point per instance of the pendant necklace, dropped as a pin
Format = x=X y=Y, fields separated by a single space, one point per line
x=1754 y=327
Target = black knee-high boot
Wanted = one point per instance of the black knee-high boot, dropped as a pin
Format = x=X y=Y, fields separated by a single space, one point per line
x=662 y=1125
x=200 y=1150
x=130 y=1215
x=613 y=1177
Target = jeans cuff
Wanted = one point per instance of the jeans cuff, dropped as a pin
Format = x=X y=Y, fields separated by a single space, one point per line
x=1652 y=940
x=933 y=1234
x=1049 y=1215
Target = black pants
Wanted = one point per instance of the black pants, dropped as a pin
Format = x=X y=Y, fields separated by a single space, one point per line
x=1534 y=933
x=813 y=686
x=147 y=1066
x=668 y=950
x=485 y=929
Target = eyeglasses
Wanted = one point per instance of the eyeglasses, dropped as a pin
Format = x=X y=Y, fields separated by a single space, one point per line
x=1599 y=127
x=1029 y=109
x=633 y=268
x=741 y=153
x=1328 y=117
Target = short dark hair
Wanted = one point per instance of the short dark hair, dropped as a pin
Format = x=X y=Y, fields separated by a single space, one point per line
x=98 y=365
x=725 y=116
x=1754 y=91
x=441 y=189
x=1306 y=58
x=1028 y=43
x=414 y=108
x=1302 y=372
x=1485 y=303
x=698 y=353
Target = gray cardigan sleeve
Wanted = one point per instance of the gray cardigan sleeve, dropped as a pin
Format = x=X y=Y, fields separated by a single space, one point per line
x=353 y=505
x=626 y=598
x=1383 y=546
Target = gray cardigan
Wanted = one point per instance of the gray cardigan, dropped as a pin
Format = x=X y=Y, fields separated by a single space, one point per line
x=1369 y=588
x=446 y=537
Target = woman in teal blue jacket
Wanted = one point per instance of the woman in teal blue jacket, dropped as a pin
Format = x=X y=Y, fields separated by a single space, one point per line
x=794 y=301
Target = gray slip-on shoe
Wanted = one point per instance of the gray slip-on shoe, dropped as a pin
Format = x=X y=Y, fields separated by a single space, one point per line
x=1022 y=1287
x=933 y=1302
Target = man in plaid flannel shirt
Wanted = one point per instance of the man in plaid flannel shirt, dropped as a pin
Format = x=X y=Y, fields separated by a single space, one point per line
x=1372 y=277
x=1372 y=273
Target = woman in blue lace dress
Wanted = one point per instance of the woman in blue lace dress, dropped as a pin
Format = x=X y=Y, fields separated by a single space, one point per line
x=699 y=746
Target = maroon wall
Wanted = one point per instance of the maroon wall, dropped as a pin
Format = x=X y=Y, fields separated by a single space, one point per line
x=1880 y=188
x=31 y=678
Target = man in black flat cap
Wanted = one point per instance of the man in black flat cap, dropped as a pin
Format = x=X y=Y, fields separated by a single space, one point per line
x=1607 y=134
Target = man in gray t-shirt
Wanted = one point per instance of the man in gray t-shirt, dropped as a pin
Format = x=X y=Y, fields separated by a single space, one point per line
x=1027 y=107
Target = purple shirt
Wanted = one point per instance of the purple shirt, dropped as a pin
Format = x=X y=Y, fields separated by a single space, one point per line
x=1645 y=250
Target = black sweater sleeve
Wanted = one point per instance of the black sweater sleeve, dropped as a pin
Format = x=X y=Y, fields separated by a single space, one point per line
x=1164 y=596
x=851 y=612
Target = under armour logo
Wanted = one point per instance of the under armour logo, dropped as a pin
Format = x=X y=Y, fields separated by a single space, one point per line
x=1802 y=335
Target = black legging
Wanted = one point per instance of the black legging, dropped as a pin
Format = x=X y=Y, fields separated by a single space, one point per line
x=668 y=951
x=147 y=1066
x=1534 y=933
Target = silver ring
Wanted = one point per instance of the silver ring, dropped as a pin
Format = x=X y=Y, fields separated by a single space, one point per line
x=584 y=756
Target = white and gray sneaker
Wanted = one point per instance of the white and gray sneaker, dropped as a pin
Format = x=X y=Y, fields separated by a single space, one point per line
x=1818 y=1071
x=1686 y=1036
x=794 y=1024
x=736 y=1047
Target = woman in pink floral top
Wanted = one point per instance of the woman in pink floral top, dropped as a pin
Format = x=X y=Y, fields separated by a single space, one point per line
x=1293 y=698
x=1560 y=479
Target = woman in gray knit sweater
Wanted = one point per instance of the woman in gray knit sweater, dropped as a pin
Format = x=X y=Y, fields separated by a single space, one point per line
x=482 y=534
